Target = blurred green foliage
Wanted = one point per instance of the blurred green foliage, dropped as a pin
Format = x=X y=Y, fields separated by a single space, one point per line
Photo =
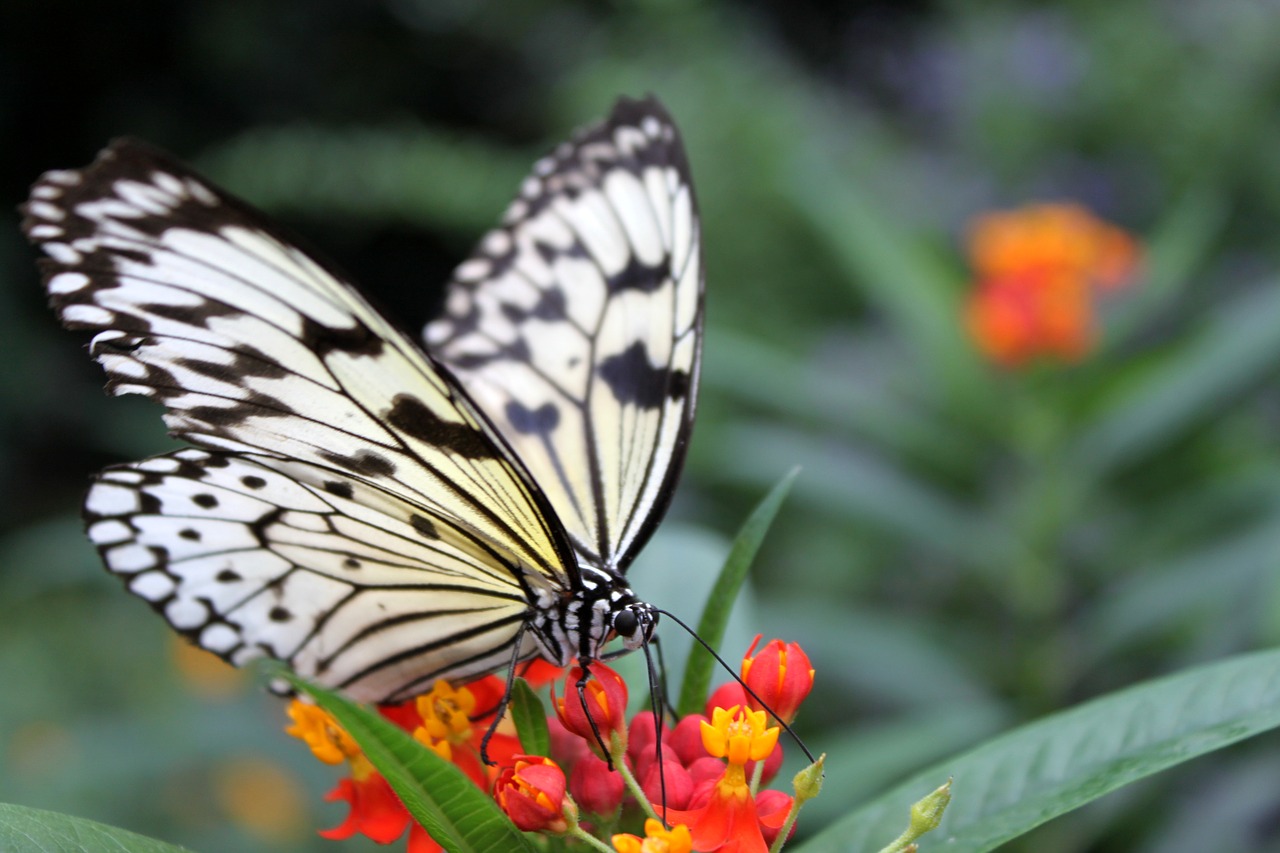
x=966 y=547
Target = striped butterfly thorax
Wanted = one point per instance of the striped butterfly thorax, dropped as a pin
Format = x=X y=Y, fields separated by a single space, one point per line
x=377 y=514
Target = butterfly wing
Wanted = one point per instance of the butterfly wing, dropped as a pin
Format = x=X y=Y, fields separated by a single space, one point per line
x=265 y=356
x=352 y=586
x=252 y=345
x=577 y=327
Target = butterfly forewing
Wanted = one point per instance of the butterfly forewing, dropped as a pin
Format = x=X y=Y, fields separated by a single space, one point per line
x=576 y=326
x=350 y=585
x=254 y=346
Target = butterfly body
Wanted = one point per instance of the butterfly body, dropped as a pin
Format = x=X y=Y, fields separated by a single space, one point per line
x=375 y=513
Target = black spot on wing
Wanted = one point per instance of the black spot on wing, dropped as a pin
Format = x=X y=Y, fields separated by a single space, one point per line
x=366 y=463
x=425 y=528
x=228 y=576
x=339 y=488
x=539 y=421
x=638 y=276
x=190 y=533
x=633 y=380
x=357 y=340
x=253 y=482
x=279 y=614
x=409 y=415
x=351 y=563
x=205 y=500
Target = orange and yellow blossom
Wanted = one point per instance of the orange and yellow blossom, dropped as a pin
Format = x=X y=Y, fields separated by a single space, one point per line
x=657 y=839
x=729 y=821
x=1038 y=270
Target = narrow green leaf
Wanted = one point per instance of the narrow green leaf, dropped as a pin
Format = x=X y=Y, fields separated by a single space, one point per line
x=715 y=616
x=1009 y=785
x=27 y=830
x=457 y=814
x=1235 y=349
x=530 y=717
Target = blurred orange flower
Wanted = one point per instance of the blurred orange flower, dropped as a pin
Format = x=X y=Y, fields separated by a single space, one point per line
x=1039 y=270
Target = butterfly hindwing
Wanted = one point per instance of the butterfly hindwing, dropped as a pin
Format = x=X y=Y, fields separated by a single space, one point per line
x=348 y=584
x=253 y=346
x=576 y=325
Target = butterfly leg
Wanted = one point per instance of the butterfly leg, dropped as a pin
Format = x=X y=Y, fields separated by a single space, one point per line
x=581 y=686
x=506 y=696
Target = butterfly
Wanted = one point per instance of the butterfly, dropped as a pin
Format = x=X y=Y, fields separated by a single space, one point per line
x=380 y=512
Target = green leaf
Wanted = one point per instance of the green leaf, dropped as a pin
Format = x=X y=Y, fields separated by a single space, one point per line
x=24 y=829
x=530 y=717
x=715 y=616
x=457 y=814
x=1236 y=349
x=1016 y=782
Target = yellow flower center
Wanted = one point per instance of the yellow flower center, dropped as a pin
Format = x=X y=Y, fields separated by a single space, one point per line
x=319 y=731
x=446 y=717
x=739 y=735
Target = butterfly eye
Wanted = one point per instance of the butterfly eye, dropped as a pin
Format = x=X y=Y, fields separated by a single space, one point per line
x=626 y=623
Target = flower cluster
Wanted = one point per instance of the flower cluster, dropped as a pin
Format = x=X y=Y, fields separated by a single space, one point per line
x=695 y=785
x=1038 y=273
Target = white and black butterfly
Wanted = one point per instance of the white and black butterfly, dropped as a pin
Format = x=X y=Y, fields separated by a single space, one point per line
x=374 y=514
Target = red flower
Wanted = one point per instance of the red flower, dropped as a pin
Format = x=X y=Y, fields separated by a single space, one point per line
x=1037 y=272
x=780 y=675
x=532 y=794
x=728 y=821
x=605 y=695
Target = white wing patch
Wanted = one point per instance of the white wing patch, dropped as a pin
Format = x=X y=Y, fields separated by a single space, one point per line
x=351 y=586
x=576 y=326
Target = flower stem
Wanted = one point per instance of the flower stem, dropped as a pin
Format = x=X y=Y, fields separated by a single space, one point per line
x=756 y=775
x=578 y=832
x=618 y=754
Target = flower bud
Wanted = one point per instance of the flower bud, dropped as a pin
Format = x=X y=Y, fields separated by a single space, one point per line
x=679 y=784
x=605 y=699
x=532 y=794
x=772 y=808
x=780 y=675
x=595 y=787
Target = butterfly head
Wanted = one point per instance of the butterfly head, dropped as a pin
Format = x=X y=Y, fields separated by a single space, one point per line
x=634 y=624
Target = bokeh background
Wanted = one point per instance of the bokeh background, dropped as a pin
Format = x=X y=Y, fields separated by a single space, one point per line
x=968 y=547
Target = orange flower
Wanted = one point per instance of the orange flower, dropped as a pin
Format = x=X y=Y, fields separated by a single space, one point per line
x=729 y=822
x=658 y=839
x=441 y=720
x=1038 y=270
x=532 y=794
x=780 y=675
x=605 y=695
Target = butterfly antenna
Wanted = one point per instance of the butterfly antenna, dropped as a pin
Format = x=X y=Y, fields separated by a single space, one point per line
x=657 y=702
x=785 y=727
x=662 y=676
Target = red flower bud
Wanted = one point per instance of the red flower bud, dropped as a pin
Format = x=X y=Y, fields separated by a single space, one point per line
x=686 y=739
x=772 y=808
x=726 y=696
x=532 y=794
x=605 y=698
x=595 y=787
x=641 y=742
x=678 y=782
x=780 y=675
